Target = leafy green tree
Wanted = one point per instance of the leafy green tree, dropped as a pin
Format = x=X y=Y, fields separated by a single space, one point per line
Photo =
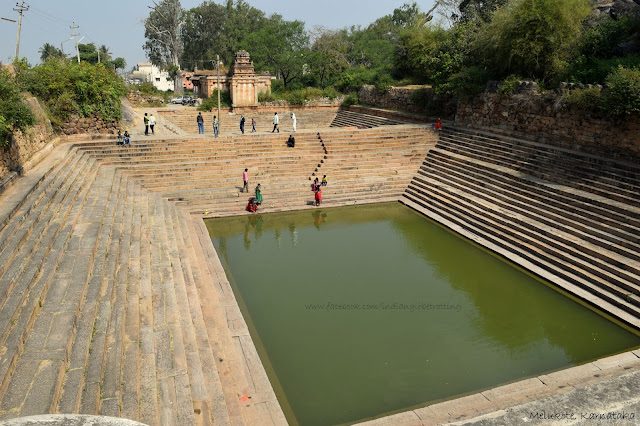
x=478 y=10
x=280 y=47
x=328 y=56
x=88 y=53
x=163 y=33
x=533 y=38
x=118 y=64
x=49 y=51
x=201 y=34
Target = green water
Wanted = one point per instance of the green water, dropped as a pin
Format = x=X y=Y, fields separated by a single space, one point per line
x=361 y=311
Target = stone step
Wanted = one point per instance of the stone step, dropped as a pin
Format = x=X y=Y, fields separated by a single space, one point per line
x=198 y=353
x=18 y=257
x=76 y=372
x=618 y=167
x=111 y=379
x=28 y=201
x=548 y=173
x=617 y=214
x=174 y=396
x=346 y=118
x=15 y=233
x=592 y=228
x=573 y=168
x=41 y=348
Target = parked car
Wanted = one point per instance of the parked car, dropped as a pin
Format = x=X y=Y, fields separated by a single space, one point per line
x=184 y=100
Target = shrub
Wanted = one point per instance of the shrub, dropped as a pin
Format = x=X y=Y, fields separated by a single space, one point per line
x=266 y=97
x=312 y=93
x=68 y=87
x=584 y=98
x=351 y=99
x=508 y=86
x=146 y=88
x=295 y=97
x=464 y=84
x=622 y=93
x=596 y=71
x=211 y=102
x=277 y=86
x=422 y=97
x=14 y=113
x=330 y=92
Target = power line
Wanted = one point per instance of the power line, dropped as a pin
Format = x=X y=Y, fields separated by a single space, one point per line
x=20 y=8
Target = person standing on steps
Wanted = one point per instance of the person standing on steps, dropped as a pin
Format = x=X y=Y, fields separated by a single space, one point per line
x=318 y=196
x=152 y=123
x=200 y=121
x=242 y=121
x=293 y=121
x=216 y=126
x=276 y=120
x=245 y=180
x=259 y=194
x=253 y=125
x=146 y=124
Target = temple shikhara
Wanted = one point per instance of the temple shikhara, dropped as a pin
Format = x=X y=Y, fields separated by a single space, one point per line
x=241 y=81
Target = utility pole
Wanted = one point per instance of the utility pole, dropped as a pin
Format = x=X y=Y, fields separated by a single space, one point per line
x=75 y=35
x=20 y=8
x=218 y=87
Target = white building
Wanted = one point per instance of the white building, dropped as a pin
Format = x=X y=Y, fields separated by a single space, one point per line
x=147 y=72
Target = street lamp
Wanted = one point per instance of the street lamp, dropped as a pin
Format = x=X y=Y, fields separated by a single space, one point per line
x=218 y=63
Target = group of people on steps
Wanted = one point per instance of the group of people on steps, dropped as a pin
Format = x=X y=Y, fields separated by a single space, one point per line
x=254 y=202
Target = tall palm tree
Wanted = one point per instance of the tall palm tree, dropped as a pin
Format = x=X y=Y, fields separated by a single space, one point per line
x=49 y=51
x=105 y=55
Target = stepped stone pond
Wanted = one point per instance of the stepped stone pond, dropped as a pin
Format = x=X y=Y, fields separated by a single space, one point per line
x=362 y=311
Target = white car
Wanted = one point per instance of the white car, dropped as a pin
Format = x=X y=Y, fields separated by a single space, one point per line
x=181 y=99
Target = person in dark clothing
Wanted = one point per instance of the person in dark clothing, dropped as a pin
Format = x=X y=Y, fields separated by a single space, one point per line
x=291 y=142
x=200 y=121
x=242 y=124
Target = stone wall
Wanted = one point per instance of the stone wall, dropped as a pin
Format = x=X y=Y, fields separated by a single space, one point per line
x=24 y=145
x=550 y=119
x=403 y=99
x=396 y=98
x=94 y=124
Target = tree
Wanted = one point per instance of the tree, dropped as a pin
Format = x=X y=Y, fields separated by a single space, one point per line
x=49 y=51
x=201 y=34
x=162 y=31
x=533 y=38
x=105 y=55
x=88 y=53
x=280 y=47
x=328 y=56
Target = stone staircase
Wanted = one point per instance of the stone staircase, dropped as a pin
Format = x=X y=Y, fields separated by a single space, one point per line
x=112 y=299
x=204 y=175
x=571 y=217
x=108 y=307
x=185 y=119
x=346 y=118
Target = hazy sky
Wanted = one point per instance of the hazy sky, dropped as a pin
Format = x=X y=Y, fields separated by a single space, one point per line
x=117 y=23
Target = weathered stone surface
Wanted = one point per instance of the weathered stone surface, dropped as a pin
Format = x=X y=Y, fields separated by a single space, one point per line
x=549 y=119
